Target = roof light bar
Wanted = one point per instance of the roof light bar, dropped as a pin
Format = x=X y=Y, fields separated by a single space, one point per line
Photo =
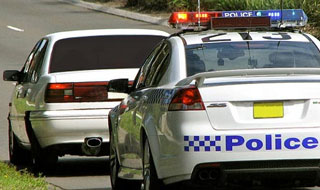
x=291 y=18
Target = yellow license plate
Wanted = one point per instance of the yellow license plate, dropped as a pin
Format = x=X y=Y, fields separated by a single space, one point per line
x=267 y=110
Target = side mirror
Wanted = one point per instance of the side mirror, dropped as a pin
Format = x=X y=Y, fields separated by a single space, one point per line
x=11 y=75
x=118 y=85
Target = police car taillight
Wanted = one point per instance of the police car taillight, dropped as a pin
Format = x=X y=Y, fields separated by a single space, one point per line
x=186 y=19
x=186 y=99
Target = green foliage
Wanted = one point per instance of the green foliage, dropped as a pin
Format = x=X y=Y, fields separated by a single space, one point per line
x=311 y=7
x=149 y=4
x=179 y=5
x=10 y=179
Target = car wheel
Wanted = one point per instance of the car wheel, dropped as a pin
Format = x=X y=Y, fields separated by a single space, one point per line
x=118 y=183
x=150 y=177
x=17 y=155
x=43 y=159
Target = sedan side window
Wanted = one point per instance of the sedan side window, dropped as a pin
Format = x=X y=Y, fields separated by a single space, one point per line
x=158 y=66
x=27 y=66
x=38 y=61
x=34 y=62
x=140 y=81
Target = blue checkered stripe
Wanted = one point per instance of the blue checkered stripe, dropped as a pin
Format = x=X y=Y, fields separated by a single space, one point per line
x=202 y=143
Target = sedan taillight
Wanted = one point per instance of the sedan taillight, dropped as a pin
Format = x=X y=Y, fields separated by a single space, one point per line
x=187 y=99
x=77 y=92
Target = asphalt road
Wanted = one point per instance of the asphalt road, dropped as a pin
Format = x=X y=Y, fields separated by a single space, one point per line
x=22 y=23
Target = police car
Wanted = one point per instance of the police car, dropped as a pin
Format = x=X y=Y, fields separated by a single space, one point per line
x=238 y=104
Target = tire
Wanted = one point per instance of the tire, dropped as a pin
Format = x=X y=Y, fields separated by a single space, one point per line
x=150 y=177
x=118 y=183
x=17 y=155
x=43 y=159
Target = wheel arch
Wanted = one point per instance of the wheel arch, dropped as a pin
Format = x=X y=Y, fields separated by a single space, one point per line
x=153 y=144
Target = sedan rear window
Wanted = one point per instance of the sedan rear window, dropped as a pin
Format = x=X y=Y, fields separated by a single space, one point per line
x=251 y=55
x=101 y=52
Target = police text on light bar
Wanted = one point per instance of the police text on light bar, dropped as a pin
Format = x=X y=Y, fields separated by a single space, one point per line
x=287 y=18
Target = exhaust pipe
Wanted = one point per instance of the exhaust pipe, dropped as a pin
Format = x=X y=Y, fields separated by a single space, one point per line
x=212 y=174
x=92 y=146
x=204 y=175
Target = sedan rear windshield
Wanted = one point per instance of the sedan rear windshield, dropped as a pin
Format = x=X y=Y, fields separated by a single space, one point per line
x=101 y=52
x=251 y=55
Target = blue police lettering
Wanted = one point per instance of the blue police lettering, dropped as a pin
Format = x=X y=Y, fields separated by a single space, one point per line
x=310 y=143
x=232 y=141
x=278 y=142
x=270 y=142
x=289 y=145
x=254 y=144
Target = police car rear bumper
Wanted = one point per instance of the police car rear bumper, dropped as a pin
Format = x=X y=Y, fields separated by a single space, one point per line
x=279 y=172
x=178 y=157
x=290 y=172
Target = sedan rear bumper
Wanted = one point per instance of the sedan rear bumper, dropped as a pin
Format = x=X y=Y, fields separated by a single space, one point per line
x=69 y=126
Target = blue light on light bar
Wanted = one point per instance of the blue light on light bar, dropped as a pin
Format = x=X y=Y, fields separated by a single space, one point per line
x=290 y=17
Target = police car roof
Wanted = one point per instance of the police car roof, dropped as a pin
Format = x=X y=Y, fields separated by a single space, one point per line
x=223 y=36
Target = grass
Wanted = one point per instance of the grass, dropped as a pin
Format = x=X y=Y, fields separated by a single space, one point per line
x=10 y=179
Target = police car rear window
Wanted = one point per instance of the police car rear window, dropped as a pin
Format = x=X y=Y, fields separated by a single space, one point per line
x=101 y=52
x=251 y=55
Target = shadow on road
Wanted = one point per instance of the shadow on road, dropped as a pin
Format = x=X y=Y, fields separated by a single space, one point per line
x=73 y=167
x=80 y=166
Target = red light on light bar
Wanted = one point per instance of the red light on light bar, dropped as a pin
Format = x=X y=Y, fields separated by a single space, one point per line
x=202 y=15
x=240 y=22
x=182 y=16
x=192 y=18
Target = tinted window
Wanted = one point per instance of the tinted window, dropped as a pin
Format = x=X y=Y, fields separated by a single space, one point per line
x=38 y=59
x=142 y=75
x=251 y=55
x=27 y=68
x=101 y=52
x=159 y=64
